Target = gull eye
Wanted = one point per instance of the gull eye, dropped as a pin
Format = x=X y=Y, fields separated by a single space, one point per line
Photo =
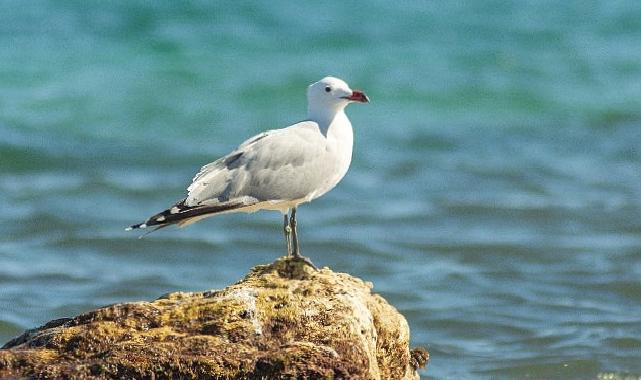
x=328 y=89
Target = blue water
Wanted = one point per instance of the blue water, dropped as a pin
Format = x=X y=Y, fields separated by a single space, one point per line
x=494 y=197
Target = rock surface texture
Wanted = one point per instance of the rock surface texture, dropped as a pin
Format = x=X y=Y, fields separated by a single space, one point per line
x=282 y=321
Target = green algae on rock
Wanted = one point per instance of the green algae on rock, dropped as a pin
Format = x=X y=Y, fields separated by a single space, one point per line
x=284 y=320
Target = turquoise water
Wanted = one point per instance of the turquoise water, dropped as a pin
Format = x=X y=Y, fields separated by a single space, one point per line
x=494 y=197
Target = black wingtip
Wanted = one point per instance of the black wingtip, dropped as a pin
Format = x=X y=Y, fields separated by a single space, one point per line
x=136 y=227
x=153 y=230
x=179 y=213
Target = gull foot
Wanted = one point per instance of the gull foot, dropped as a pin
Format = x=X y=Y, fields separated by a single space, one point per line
x=305 y=260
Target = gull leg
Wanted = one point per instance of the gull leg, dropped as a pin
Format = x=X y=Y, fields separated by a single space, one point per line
x=288 y=231
x=295 y=247
x=292 y=223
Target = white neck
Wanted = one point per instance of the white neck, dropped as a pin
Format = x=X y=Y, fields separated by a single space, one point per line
x=325 y=116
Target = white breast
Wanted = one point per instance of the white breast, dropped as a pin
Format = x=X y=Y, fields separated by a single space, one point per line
x=340 y=141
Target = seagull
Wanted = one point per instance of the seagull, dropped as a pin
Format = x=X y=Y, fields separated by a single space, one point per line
x=276 y=170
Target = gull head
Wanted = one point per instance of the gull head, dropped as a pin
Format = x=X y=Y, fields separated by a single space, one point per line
x=330 y=95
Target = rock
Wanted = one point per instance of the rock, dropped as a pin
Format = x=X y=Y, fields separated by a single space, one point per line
x=282 y=321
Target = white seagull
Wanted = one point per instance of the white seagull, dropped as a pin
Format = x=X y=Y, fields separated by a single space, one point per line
x=276 y=170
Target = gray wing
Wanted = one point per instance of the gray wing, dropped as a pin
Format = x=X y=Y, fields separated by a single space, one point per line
x=282 y=164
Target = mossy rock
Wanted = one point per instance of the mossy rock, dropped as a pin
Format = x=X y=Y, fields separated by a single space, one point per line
x=282 y=321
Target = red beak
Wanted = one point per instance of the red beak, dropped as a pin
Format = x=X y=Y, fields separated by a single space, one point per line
x=357 y=96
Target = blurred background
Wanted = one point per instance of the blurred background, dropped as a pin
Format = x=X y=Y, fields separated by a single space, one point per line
x=494 y=196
